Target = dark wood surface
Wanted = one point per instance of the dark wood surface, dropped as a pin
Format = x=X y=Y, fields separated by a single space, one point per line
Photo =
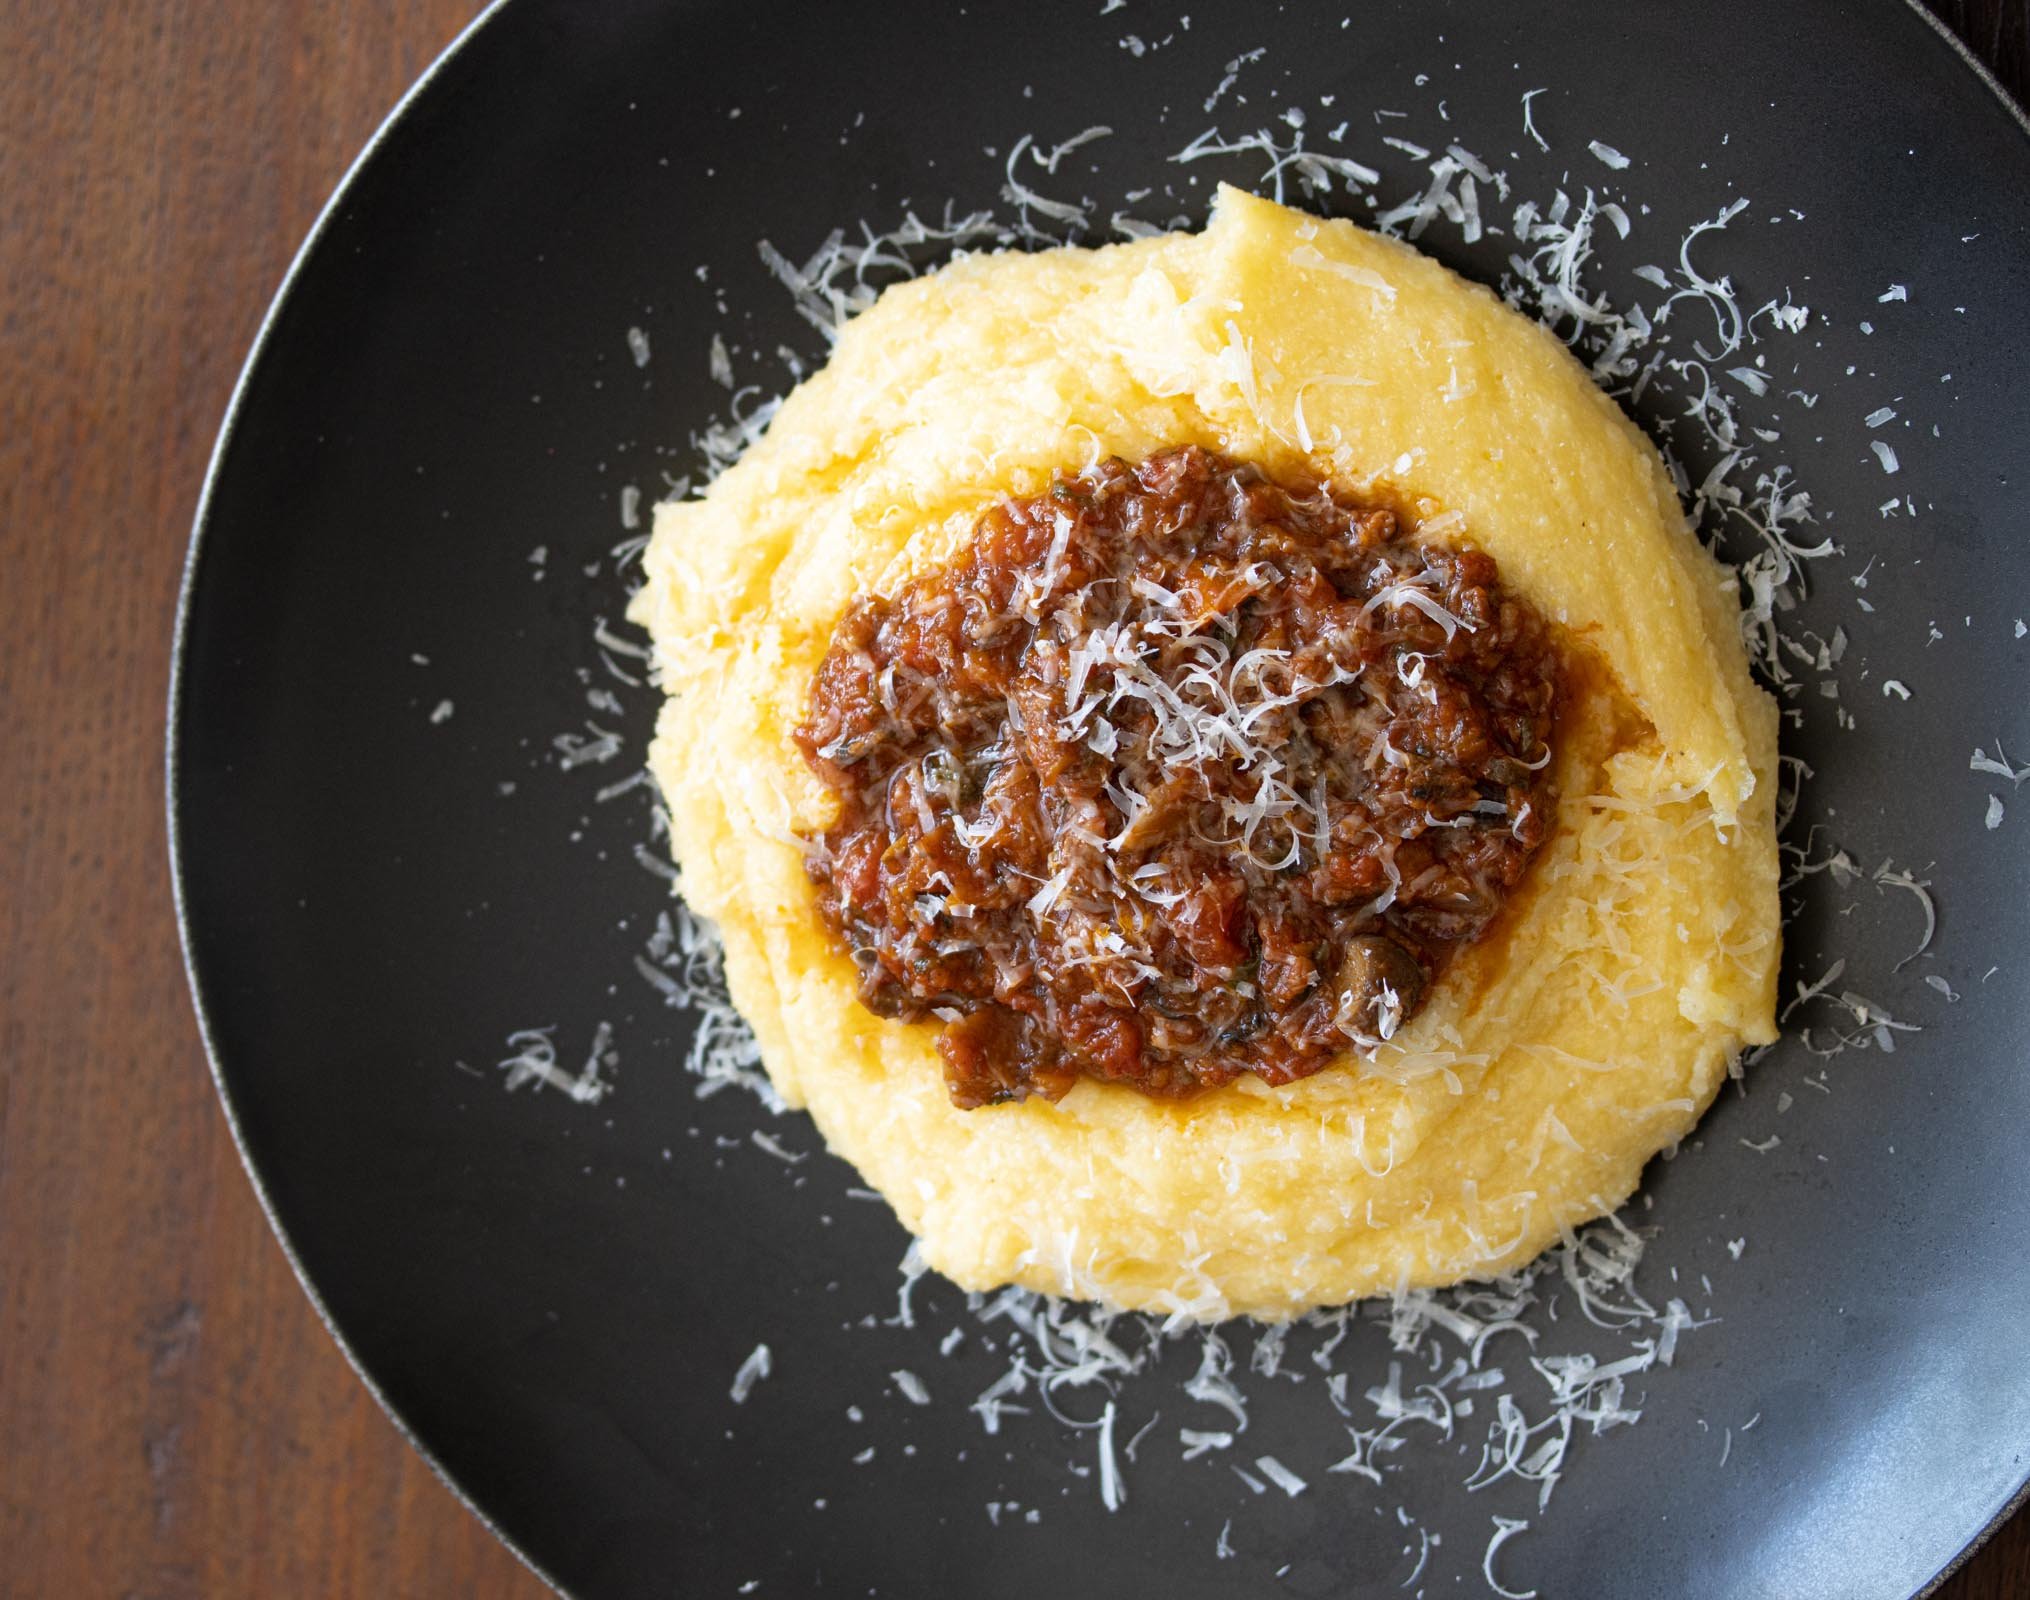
x=173 y=1420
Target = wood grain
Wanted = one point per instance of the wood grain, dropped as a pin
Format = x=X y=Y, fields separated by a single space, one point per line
x=173 y=1420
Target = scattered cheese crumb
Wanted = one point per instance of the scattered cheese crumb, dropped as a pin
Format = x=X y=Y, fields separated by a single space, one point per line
x=1505 y=1528
x=535 y=1061
x=1997 y=764
x=1281 y=1476
x=757 y=1366
x=773 y=1146
x=1111 y=1493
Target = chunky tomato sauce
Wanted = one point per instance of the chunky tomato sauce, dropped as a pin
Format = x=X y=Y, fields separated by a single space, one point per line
x=1177 y=773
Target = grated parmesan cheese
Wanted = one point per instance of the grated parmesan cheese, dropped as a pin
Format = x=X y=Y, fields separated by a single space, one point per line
x=1998 y=765
x=1505 y=1528
x=535 y=1061
x=758 y=1365
x=1281 y=1476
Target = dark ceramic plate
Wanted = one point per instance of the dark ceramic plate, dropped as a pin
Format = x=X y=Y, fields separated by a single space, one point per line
x=552 y=1298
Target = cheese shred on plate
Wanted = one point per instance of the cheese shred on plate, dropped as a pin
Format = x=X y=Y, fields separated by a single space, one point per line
x=1583 y=1034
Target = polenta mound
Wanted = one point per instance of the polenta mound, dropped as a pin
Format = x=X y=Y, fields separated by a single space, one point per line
x=1585 y=1030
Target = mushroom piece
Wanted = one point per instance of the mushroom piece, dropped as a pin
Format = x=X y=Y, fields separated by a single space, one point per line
x=1380 y=984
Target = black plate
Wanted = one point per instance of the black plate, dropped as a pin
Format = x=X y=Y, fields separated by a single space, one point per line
x=552 y=1298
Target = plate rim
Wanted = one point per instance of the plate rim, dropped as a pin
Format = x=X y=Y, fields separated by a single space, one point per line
x=2021 y=1498
x=384 y=134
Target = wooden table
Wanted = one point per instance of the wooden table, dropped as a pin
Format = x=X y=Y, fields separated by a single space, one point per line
x=173 y=1420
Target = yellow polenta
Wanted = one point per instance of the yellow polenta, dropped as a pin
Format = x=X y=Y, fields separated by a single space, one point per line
x=1584 y=1034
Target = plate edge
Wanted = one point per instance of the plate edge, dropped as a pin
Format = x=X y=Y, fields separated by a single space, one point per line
x=172 y=752
x=1959 y=47
x=1974 y=63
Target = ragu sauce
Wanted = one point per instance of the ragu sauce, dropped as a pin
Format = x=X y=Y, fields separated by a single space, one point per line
x=1176 y=773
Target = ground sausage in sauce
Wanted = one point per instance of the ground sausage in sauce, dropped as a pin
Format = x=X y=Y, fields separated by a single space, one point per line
x=1176 y=773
